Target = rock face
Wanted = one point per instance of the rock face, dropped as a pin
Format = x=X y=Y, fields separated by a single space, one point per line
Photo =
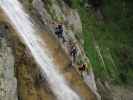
x=122 y=93
x=56 y=11
x=8 y=82
x=29 y=86
x=109 y=91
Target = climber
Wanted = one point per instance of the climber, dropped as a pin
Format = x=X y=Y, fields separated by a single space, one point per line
x=82 y=68
x=73 y=52
x=59 y=32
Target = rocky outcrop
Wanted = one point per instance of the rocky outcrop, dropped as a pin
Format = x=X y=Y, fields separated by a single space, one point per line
x=31 y=84
x=110 y=91
x=58 y=12
x=29 y=87
x=8 y=82
x=122 y=92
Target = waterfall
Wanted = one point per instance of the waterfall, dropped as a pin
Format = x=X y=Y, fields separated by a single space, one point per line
x=21 y=22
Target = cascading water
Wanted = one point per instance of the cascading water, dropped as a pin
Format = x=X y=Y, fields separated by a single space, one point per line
x=21 y=22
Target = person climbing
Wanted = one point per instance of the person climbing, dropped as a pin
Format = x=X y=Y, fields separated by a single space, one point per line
x=82 y=68
x=59 y=32
x=73 y=52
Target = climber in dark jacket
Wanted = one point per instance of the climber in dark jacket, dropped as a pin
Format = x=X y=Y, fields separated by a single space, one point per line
x=59 y=32
x=82 y=68
x=73 y=53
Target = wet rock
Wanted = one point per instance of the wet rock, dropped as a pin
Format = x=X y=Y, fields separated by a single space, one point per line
x=31 y=83
x=60 y=14
x=109 y=91
x=104 y=90
x=8 y=82
x=3 y=31
x=122 y=93
x=72 y=28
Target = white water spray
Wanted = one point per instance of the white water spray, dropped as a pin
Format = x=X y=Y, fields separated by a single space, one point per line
x=20 y=21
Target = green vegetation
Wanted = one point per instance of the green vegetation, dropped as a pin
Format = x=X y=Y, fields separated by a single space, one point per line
x=109 y=43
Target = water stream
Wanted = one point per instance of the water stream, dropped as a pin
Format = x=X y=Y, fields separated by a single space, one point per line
x=20 y=20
